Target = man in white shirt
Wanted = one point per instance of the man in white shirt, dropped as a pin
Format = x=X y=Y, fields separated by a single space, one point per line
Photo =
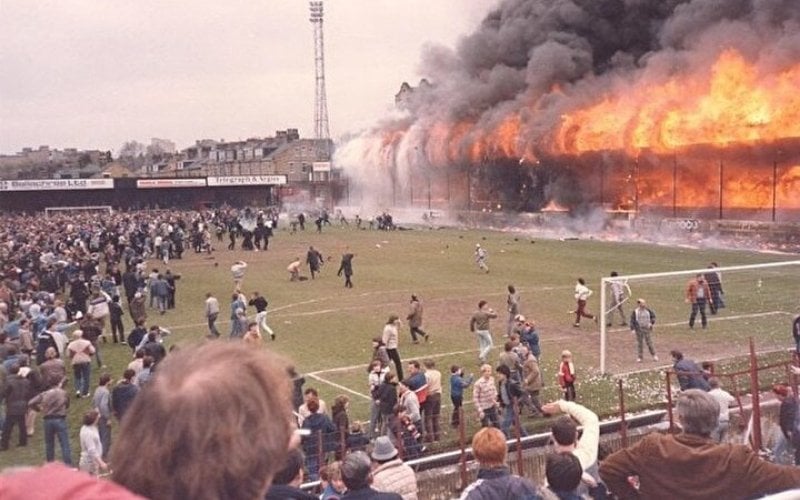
x=212 y=312
x=565 y=437
x=725 y=400
x=582 y=294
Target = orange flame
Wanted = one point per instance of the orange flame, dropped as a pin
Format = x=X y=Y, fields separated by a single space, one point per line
x=733 y=103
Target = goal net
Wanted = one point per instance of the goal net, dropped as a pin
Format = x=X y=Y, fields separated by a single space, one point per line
x=89 y=208
x=759 y=301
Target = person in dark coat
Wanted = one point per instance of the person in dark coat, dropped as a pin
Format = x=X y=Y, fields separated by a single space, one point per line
x=17 y=392
x=123 y=394
x=314 y=261
x=495 y=479
x=346 y=268
x=286 y=482
x=787 y=418
x=690 y=375
x=320 y=441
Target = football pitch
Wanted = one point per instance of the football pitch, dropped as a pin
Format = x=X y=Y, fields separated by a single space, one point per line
x=326 y=329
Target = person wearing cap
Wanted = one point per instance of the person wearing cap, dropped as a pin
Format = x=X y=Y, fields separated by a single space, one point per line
x=643 y=320
x=495 y=479
x=80 y=353
x=389 y=473
x=357 y=477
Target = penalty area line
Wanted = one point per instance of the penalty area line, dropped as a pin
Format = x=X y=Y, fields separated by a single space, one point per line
x=338 y=386
x=429 y=356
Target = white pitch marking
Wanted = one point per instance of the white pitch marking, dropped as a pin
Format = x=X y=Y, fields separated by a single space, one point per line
x=430 y=356
x=338 y=386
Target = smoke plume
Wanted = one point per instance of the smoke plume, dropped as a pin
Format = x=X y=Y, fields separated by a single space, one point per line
x=543 y=79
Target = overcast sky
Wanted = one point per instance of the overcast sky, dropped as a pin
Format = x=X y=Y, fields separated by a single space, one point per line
x=93 y=74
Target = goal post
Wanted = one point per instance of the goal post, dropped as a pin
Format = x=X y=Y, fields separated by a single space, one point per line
x=760 y=301
x=88 y=208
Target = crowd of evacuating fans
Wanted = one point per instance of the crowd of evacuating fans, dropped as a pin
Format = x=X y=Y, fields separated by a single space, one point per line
x=222 y=420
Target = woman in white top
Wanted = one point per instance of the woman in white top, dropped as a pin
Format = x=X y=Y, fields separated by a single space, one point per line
x=91 y=460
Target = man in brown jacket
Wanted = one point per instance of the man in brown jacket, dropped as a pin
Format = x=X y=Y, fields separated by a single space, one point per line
x=691 y=465
x=414 y=319
x=531 y=381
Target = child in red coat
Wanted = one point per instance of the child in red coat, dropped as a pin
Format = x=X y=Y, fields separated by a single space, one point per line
x=566 y=375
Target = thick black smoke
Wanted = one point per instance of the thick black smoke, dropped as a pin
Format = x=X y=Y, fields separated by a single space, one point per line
x=541 y=59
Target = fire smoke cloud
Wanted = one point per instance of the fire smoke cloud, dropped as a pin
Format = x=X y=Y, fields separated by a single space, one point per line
x=546 y=78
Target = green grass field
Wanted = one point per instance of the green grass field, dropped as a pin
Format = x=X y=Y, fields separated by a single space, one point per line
x=326 y=329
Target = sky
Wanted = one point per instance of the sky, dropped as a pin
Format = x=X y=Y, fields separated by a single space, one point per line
x=93 y=74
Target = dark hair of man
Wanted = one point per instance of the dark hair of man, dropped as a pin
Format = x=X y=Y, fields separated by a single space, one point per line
x=504 y=370
x=90 y=417
x=676 y=354
x=233 y=432
x=415 y=364
x=313 y=405
x=104 y=379
x=481 y=304
x=292 y=465
x=564 y=430
x=563 y=471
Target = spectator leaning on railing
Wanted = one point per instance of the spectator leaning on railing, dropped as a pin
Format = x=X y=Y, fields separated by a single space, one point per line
x=691 y=465
x=565 y=439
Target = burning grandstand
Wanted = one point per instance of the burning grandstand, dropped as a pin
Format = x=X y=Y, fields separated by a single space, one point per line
x=672 y=107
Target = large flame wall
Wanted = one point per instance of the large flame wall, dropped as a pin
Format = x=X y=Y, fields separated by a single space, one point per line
x=671 y=104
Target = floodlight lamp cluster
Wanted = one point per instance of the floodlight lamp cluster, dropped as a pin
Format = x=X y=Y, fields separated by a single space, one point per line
x=316 y=11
